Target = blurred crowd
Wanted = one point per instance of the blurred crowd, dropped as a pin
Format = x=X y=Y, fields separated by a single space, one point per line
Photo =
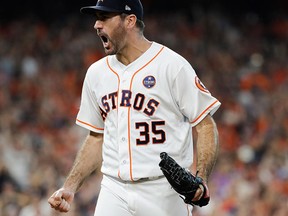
x=244 y=63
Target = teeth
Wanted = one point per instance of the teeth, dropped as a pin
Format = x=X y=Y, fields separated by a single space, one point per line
x=105 y=44
x=105 y=40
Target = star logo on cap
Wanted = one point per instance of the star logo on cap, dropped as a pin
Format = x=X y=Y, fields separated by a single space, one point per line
x=127 y=8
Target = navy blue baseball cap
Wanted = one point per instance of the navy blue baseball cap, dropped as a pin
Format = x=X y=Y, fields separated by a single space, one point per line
x=119 y=6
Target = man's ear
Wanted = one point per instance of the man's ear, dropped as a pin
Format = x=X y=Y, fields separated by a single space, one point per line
x=131 y=20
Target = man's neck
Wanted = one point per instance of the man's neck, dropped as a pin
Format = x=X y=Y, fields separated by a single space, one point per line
x=133 y=51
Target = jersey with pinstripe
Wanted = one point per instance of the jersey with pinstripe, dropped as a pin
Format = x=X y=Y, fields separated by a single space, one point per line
x=144 y=108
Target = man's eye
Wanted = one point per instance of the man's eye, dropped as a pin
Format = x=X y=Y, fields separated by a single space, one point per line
x=102 y=18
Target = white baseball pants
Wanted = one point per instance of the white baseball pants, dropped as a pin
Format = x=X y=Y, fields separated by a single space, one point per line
x=144 y=198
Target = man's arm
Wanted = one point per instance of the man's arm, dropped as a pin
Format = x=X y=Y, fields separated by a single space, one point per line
x=207 y=146
x=88 y=159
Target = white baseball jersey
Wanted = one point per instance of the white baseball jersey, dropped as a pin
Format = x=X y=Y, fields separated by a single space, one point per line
x=143 y=109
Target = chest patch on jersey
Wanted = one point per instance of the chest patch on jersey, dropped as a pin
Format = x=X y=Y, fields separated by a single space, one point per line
x=149 y=81
x=200 y=85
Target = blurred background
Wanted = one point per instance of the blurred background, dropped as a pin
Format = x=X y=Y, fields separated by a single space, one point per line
x=239 y=50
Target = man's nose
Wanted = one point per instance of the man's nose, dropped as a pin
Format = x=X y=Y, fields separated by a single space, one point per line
x=98 y=24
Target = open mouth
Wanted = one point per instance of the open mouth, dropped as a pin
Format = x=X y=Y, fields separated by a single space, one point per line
x=104 y=40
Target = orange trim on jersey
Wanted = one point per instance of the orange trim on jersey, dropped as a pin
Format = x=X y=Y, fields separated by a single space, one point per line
x=119 y=176
x=89 y=125
x=107 y=62
x=129 y=144
x=129 y=125
x=145 y=66
x=129 y=111
x=200 y=85
x=204 y=111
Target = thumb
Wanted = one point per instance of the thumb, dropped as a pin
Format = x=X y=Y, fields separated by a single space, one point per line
x=56 y=199
x=67 y=195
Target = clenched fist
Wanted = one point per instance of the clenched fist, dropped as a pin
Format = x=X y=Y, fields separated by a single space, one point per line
x=61 y=200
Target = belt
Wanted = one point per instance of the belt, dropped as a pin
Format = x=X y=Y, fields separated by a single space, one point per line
x=152 y=178
x=149 y=178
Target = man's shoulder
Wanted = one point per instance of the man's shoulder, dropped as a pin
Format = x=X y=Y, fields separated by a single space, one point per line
x=95 y=68
x=172 y=56
x=98 y=64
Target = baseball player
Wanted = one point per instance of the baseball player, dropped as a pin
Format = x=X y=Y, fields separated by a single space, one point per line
x=138 y=101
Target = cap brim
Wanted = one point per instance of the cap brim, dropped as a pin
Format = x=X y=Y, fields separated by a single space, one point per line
x=93 y=9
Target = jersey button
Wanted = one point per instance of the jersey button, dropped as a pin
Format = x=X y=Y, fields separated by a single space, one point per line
x=123 y=139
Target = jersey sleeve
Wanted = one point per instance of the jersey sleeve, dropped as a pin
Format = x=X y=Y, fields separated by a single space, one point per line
x=89 y=115
x=193 y=98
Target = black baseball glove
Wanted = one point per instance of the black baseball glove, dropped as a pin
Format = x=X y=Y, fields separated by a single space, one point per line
x=182 y=181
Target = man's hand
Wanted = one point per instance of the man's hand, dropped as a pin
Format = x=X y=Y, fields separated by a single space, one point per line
x=192 y=189
x=199 y=193
x=61 y=200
